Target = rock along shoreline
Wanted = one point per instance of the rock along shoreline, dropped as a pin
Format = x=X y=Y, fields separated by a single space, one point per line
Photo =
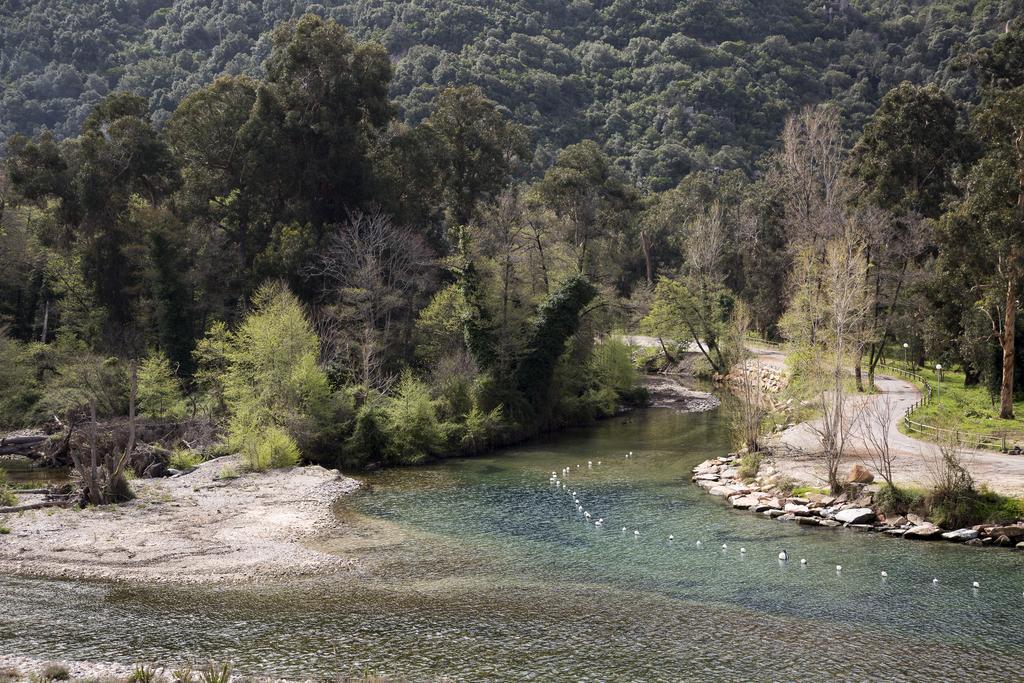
x=854 y=510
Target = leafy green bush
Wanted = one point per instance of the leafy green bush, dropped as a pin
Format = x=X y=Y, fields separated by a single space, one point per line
x=413 y=428
x=159 y=392
x=611 y=365
x=271 y=448
x=273 y=384
x=185 y=459
x=7 y=496
x=18 y=379
x=750 y=465
x=55 y=672
x=899 y=500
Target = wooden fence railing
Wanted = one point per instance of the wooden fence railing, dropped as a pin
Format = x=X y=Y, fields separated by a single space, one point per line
x=992 y=441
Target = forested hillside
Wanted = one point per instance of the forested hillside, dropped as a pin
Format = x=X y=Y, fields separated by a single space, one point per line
x=664 y=86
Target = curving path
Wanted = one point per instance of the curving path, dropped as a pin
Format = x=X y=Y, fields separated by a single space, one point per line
x=914 y=459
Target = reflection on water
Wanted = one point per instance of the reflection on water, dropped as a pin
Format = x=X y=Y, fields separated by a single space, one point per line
x=481 y=569
x=21 y=471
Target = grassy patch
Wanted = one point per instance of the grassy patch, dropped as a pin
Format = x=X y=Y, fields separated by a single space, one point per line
x=968 y=410
x=804 y=490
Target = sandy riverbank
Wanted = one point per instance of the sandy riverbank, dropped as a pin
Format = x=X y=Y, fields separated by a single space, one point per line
x=194 y=528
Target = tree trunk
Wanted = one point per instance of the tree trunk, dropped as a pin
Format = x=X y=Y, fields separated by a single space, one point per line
x=1007 y=342
x=858 y=373
x=645 y=243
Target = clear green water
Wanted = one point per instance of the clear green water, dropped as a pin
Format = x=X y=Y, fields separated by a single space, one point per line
x=488 y=573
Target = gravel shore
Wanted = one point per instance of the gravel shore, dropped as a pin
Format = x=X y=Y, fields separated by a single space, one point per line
x=194 y=528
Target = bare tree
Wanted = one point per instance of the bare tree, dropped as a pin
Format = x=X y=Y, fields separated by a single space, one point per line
x=843 y=308
x=371 y=272
x=706 y=243
x=877 y=417
x=103 y=479
x=747 y=382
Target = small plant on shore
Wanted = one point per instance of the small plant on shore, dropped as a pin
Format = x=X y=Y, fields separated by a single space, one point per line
x=4 y=530
x=8 y=674
x=228 y=472
x=750 y=465
x=953 y=501
x=7 y=496
x=899 y=500
x=215 y=673
x=55 y=672
x=182 y=675
x=144 y=674
x=270 y=449
x=185 y=459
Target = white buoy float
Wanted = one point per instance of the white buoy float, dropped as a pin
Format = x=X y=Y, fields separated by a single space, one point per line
x=636 y=532
x=839 y=567
x=671 y=537
x=885 y=574
x=784 y=556
x=976 y=585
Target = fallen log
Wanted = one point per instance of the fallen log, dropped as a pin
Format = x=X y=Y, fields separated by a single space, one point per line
x=22 y=445
x=35 y=506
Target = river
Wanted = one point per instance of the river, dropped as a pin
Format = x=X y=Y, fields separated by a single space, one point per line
x=481 y=569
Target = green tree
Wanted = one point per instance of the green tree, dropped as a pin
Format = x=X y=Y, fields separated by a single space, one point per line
x=982 y=234
x=159 y=392
x=480 y=146
x=273 y=381
x=682 y=310
x=908 y=150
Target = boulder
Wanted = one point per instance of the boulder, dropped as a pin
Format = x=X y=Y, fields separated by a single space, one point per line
x=862 y=527
x=797 y=510
x=960 y=535
x=812 y=521
x=856 y=516
x=1003 y=541
x=707 y=477
x=1014 y=533
x=916 y=520
x=797 y=501
x=775 y=512
x=860 y=475
x=895 y=532
x=707 y=485
x=744 y=502
x=923 y=532
x=720 y=491
x=829 y=523
x=730 y=473
x=1020 y=546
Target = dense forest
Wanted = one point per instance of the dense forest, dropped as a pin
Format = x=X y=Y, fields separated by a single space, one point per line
x=663 y=87
x=283 y=262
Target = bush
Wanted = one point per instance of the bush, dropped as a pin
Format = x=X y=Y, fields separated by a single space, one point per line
x=273 y=384
x=55 y=672
x=18 y=379
x=185 y=459
x=413 y=428
x=270 y=449
x=893 y=500
x=611 y=365
x=160 y=392
x=750 y=465
x=998 y=509
x=7 y=496
x=953 y=501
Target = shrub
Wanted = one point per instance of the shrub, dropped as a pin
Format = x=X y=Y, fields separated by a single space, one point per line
x=55 y=672
x=160 y=392
x=953 y=501
x=143 y=674
x=750 y=465
x=4 y=530
x=18 y=379
x=412 y=421
x=7 y=496
x=273 y=380
x=899 y=500
x=228 y=472
x=998 y=509
x=369 y=440
x=271 y=448
x=611 y=365
x=215 y=673
x=185 y=459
